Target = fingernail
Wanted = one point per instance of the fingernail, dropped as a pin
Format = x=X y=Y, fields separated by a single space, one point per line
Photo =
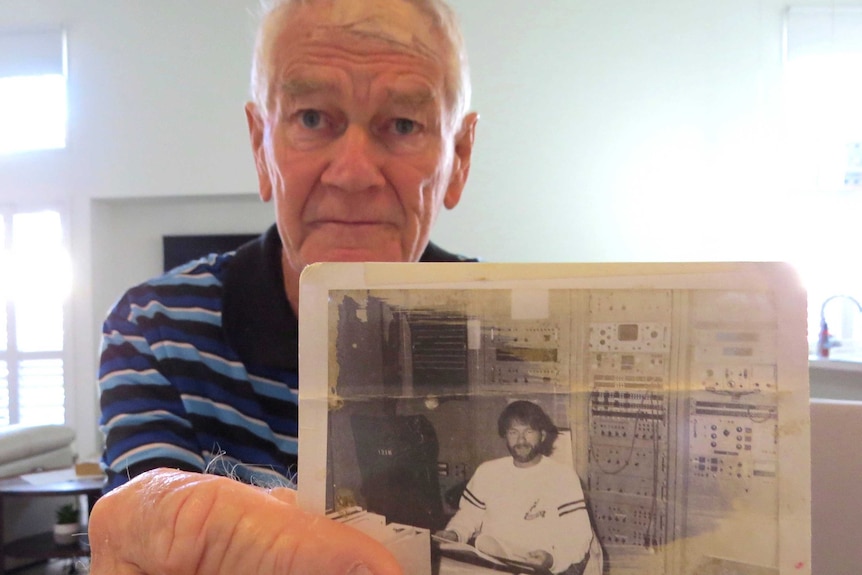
x=359 y=570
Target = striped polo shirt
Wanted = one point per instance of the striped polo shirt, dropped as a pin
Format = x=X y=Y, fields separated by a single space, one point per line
x=199 y=370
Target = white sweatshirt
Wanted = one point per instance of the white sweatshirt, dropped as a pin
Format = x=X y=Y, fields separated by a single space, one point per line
x=531 y=508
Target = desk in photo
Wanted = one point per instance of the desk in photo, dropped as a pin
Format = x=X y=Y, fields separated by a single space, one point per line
x=462 y=564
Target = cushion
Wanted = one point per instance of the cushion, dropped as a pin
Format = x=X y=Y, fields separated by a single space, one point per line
x=23 y=441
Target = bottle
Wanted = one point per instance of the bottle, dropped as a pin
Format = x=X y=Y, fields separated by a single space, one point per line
x=823 y=341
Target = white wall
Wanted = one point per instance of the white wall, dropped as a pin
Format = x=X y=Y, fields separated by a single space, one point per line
x=127 y=235
x=613 y=130
x=621 y=130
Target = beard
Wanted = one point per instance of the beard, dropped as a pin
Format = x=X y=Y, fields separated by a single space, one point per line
x=524 y=452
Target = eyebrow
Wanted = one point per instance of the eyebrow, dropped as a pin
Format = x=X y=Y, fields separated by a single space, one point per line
x=304 y=87
x=411 y=99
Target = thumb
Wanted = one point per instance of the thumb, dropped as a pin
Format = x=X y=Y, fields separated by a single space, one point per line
x=167 y=522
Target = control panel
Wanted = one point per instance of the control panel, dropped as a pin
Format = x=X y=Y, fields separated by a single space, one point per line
x=628 y=345
x=523 y=355
x=732 y=418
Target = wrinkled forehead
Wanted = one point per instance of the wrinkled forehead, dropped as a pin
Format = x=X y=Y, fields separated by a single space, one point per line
x=397 y=22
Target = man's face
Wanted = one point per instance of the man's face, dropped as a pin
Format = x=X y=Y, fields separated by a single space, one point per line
x=358 y=151
x=523 y=442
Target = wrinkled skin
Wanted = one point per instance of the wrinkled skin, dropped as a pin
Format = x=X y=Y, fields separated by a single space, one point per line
x=358 y=149
x=169 y=522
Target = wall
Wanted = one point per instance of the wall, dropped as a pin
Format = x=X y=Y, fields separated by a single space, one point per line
x=614 y=130
x=142 y=222
x=835 y=380
x=836 y=499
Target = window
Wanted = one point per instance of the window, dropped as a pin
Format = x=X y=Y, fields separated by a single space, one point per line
x=823 y=88
x=32 y=91
x=34 y=286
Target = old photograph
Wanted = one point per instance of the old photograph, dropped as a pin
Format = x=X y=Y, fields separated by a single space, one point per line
x=599 y=420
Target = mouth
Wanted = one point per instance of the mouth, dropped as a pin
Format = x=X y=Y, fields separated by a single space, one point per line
x=346 y=239
x=349 y=223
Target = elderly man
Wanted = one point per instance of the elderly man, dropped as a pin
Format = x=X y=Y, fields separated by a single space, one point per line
x=360 y=134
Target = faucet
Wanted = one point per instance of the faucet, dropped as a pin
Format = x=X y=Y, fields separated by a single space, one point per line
x=825 y=341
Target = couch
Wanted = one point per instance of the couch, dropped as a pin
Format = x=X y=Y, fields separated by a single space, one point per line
x=25 y=449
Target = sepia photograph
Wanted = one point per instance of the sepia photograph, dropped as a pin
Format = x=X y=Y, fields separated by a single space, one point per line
x=559 y=419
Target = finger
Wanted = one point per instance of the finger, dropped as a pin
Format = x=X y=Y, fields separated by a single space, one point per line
x=332 y=547
x=329 y=535
x=284 y=494
x=171 y=522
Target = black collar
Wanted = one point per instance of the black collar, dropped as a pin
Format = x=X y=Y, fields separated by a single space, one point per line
x=256 y=316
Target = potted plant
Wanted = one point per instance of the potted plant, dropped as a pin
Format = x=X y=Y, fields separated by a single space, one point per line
x=66 y=527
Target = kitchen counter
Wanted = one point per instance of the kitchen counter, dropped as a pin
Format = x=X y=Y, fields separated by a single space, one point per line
x=835 y=379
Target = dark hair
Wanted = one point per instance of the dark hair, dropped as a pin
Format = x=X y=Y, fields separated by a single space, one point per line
x=528 y=413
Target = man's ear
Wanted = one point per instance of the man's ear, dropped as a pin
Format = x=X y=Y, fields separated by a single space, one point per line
x=461 y=160
x=256 y=130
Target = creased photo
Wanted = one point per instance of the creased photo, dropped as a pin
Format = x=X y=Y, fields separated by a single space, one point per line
x=560 y=418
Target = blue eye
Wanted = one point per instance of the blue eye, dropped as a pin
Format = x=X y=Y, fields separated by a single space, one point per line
x=403 y=126
x=311 y=119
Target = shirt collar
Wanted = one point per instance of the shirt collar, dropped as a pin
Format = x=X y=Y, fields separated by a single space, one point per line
x=256 y=316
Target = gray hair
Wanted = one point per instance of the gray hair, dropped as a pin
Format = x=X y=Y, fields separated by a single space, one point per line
x=274 y=13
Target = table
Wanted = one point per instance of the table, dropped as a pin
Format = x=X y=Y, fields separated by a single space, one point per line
x=462 y=564
x=451 y=566
x=42 y=546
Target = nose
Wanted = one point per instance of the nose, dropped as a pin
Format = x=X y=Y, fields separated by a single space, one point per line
x=355 y=163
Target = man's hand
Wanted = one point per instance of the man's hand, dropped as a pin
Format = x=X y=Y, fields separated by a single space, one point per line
x=540 y=558
x=171 y=522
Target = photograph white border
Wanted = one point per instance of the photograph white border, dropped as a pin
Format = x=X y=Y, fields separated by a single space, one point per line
x=317 y=355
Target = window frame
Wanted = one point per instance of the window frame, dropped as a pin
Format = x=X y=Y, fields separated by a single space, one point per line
x=823 y=32
x=14 y=356
x=35 y=53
